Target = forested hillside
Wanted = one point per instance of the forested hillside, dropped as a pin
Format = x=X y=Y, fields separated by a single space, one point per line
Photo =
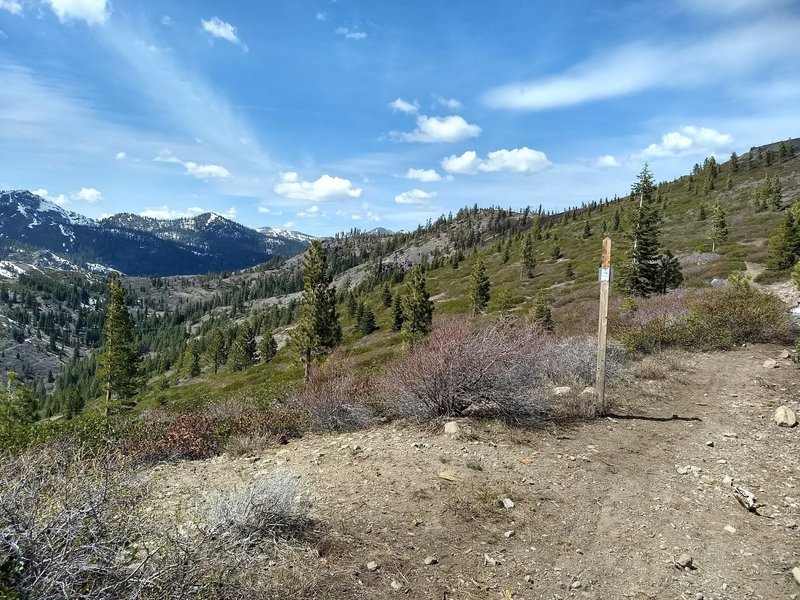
x=712 y=222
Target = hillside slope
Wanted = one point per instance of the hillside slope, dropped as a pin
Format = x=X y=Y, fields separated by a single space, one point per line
x=602 y=509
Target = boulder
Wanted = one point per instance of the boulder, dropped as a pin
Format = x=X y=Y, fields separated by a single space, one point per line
x=451 y=427
x=785 y=417
x=561 y=390
x=770 y=363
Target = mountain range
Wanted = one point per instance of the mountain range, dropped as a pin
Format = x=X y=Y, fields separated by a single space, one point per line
x=136 y=245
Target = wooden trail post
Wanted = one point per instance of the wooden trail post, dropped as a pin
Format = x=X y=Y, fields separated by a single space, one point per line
x=604 y=275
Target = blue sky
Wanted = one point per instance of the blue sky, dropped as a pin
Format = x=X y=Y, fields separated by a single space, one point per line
x=323 y=115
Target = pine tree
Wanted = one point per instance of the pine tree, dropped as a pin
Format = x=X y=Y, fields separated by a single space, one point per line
x=366 y=320
x=479 y=287
x=318 y=330
x=734 y=162
x=243 y=350
x=541 y=314
x=217 y=349
x=701 y=212
x=784 y=244
x=17 y=403
x=587 y=230
x=397 y=312
x=192 y=360
x=555 y=252
x=718 y=230
x=417 y=307
x=638 y=272
x=386 y=295
x=569 y=271
x=507 y=252
x=118 y=364
x=775 y=191
x=268 y=347
x=528 y=255
x=670 y=275
x=351 y=305
x=617 y=219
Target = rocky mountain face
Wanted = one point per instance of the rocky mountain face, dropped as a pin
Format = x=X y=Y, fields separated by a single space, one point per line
x=137 y=245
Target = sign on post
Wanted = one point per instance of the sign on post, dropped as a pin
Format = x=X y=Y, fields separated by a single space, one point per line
x=604 y=275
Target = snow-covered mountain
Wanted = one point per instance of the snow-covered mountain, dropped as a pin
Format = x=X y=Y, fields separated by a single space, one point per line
x=139 y=245
x=282 y=236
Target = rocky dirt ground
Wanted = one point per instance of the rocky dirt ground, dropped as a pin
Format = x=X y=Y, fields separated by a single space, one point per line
x=601 y=509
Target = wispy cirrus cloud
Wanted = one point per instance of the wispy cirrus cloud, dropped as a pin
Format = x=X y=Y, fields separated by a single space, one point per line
x=404 y=106
x=351 y=34
x=198 y=170
x=726 y=57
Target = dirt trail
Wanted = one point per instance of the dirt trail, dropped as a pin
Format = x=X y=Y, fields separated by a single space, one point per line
x=602 y=509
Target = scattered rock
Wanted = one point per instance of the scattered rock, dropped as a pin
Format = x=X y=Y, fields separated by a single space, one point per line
x=710 y=443
x=528 y=579
x=770 y=363
x=796 y=575
x=785 y=354
x=451 y=427
x=730 y=434
x=562 y=390
x=717 y=282
x=730 y=528
x=507 y=503
x=684 y=561
x=576 y=585
x=727 y=480
x=489 y=561
x=683 y=470
x=707 y=479
x=510 y=533
x=431 y=560
x=396 y=585
x=588 y=391
x=785 y=417
x=372 y=566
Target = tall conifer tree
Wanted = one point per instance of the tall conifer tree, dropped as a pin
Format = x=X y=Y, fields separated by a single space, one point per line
x=118 y=364
x=318 y=330
x=417 y=307
x=479 y=287
x=639 y=270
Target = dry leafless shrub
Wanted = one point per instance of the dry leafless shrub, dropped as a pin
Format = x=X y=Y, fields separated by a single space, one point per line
x=248 y=444
x=266 y=508
x=505 y=369
x=71 y=527
x=333 y=399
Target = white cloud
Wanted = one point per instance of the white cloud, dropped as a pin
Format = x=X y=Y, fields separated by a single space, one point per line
x=439 y=129
x=200 y=171
x=165 y=212
x=449 y=103
x=607 y=161
x=288 y=224
x=218 y=28
x=60 y=199
x=726 y=58
x=689 y=140
x=89 y=195
x=12 y=6
x=121 y=156
x=716 y=8
x=321 y=16
x=94 y=12
x=324 y=188
x=517 y=160
x=309 y=213
x=466 y=163
x=351 y=34
x=405 y=106
x=205 y=171
x=424 y=175
x=265 y=210
x=167 y=20
x=415 y=197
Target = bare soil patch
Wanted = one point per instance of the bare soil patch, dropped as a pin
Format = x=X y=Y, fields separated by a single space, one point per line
x=601 y=509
